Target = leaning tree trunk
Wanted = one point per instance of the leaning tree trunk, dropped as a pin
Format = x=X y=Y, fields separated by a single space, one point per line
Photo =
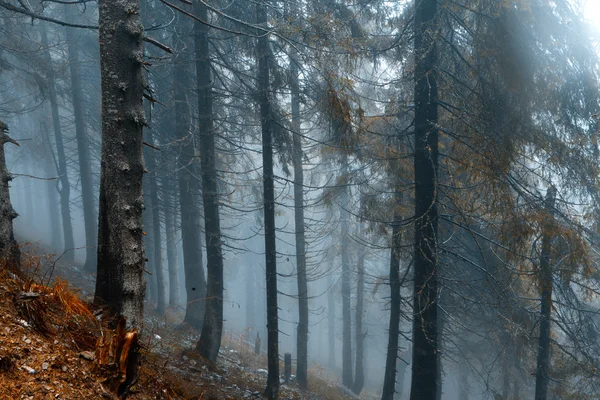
x=424 y=383
x=83 y=151
x=212 y=330
x=120 y=281
x=266 y=119
x=8 y=245
x=389 y=379
x=359 y=373
x=543 y=360
x=65 y=188
x=346 y=286
x=302 y=339
x=195 y=282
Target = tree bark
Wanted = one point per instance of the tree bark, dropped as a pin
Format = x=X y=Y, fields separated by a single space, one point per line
x=266 y=119
x=120 y=281
x=171 y=211
x=195 y=282
x=212 y=330
x=346 y=286
x=359 y=374
x=389 y=380
x=64 y=190
x=156 y=228
x=302 y=338
x=543 y=359
x=331 y=323
x=424 y=383
x=9 y=248
x=83 y=151
x=51 y=193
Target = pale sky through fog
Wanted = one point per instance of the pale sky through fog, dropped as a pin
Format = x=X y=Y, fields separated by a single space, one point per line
x=592 y=12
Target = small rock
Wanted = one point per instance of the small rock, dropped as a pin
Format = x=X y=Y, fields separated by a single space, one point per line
x=29 y=369
x=45 y=366
x=64 y=368
x=87 y=355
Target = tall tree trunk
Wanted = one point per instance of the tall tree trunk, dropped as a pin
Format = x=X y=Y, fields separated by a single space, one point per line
x=424 y=383
x=120 y=281
x=9 y=250
x=195 y=282
x=302 y=338
x=83 y=151
x=359 y=374
x=331 y=323
x=389 y=380
x=65 y=188
x=150 y=278
x=543 y=360
x=156 y=228
x=51 y=189
x=171 y=211
x=266 y=119
x=212 y=330
x=346 y=286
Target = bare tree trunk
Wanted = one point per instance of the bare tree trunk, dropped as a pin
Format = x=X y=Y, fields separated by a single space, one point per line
x=359 y=374
x=8 y=245
x=150 y=277
x=120 y=281
x=51 y=172
x=251 y=290
x=346 y=287
x=302 y=338
x=212 y=330
x=171 y=210
x=389 y=380
x=64 y=188
x=543 y=360
x=195 y=282
x=424 y=384
x=331 y=323
x=266 y=119
x=83 y=151
x=156 y=228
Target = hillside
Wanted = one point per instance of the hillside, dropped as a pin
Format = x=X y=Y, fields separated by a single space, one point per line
x=49 y=339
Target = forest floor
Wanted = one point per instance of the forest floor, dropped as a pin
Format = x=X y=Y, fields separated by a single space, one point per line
x=48 y=347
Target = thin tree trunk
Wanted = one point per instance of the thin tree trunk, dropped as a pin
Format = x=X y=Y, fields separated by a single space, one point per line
x=331 y=323
x=302 y=338
x=424 y=383
x=543 y=360
x=346 y=287
x=171 y=210
x=212 y=330
x=389 y=380
x=150 y=277
x=83 y=151
x=251 y=291
x=195 y=282
x=156 y=228
x=51 y=190
x=9 y=248
x=120 y=281
x=266 y=119
x=65 y=188
x=359 y=374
